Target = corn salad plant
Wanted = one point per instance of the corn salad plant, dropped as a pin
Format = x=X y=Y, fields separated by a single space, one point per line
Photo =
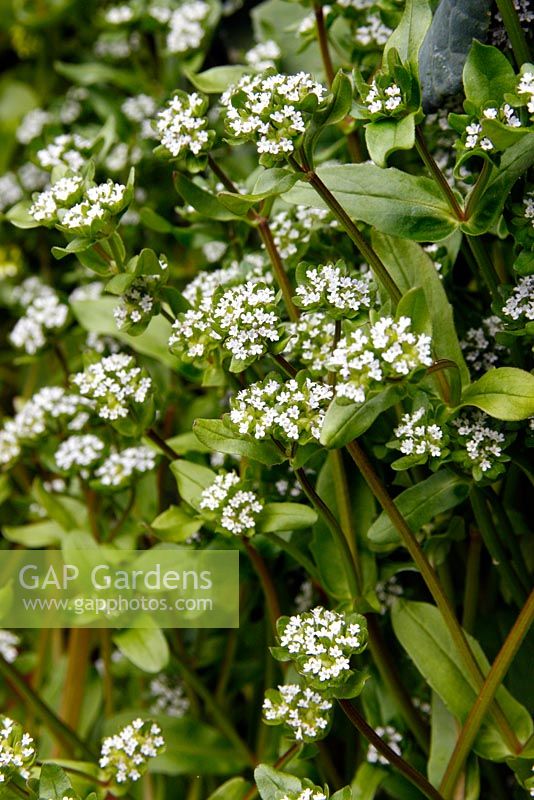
x=267 y=285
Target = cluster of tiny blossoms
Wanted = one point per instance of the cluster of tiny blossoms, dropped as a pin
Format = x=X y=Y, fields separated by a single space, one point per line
x=62 y=194
x=243 y=320
x=40 y=413
x=419 y=439
x=17 y=752
x=168 y=697
x=77 y=210
x=290 y=411
x=125 y=756
x=182 y=126
x=329 y=287
x=79 y=451
x=392 y=738
x=520 y=304
x=293 y=228
x=482 y=445
x=9 y=643
x=320 y=643
x=310 y=342
x=113 y=383
x=525 y=90
x=389 y=349
x=306 y=713
x=480 y=348
x=271 y=110
x=187 y=27
x=43 y=313
x=234 y=509
x=383 y=100
x=139 y=303
x=118 y=468
x=310 y=793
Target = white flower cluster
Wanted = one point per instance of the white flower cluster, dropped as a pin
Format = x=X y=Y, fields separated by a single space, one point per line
x=387 y=592
x=263 y=55
x=310 y=793
x=383 y=101
x=392 y=738
x=305 y=712
x=293 y=228
x=243 y=320
x=482 y=444
x=79 y=451
x=139 y=302
x=119 y=15
x=38 y=414
x=125 y=756
x=310 y=342
x=182 y=126
x=321 y=643
x=271 y=110
x=141 y=109
x=64 y=150
x=62 y=194
x=389 y=349
x=17 y=752
x=520 y=304
x=168 y=697
x=525 y=89
x=117 y=46
x=44 y=313
x=187 y=26
x=32 y=124
x=9 y=643
x=289 y=411
x=10 y=191
x=113 y=383
x=505 y=114
x=235 y=509
x=329 y=287
x=480 y=348
x=118 y=468
x=474 y=137
x=528 y=202
x=199 y=292
x=373 y=32
x=419 y=440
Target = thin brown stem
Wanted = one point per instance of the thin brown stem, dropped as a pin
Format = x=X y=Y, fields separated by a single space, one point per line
x=267 y=585
x=322 y=38
x=154 y=436
x=437 y=174
x=406 y=769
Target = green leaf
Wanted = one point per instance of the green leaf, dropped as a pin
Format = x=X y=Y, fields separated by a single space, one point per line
x=53 y=783
x=505 y=393
x=515 y=162
x=420 y=504
x=175 y=525
x=270 y=183
x=385 y=136
x=37 y=534
x=343 y=422
x=392 y=201
x=147 y=648
x=192 y=479
x=413 y=304
x=194 y=748
x=368 y=781
x=201 y=200
x=19 y=216
x=421 y=631
x=89 y=74
x=217 y=79
x=442 y=741
x=96 y=316
x=271 y=783
x=277 y=517
x=55 y=509
x=408 y=36
x=219 y=437
x=487 y=75
x=234 y=789
x=410 y=266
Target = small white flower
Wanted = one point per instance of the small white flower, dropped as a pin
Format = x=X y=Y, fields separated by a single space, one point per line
x=182 y=126
x=480 y=348
x=79 y=451
x=392 y=738
x=125 y=756
x=168 y=697
x=118 y=468
x=263 y=55
x=114 y=383
x=419 y=439
x=330 y=287
x=9 y=642
x=482 y=444
x=306 y=713
x=17 y=751
x=520 y=304
x=235 y=509
x=187 y=27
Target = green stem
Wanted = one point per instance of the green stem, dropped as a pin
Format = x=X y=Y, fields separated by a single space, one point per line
x=18 y=790
x=437 y=174
x=484 y=264
x=478 y=188
x=406 y=769
x=494 y=546
x=284 y=365
x=472 y=571
x=117 y=255
x=515 y=31
x=219 y=716
x=267 y=585
x=322 y=38
x=432 y=582
x=350 y=229
x=508 y=538
x=57 y=727
x=154 y=436
x=485 y=697
x=390 y=675
x=335 y=529
x=168 y=317
x=344 y=506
